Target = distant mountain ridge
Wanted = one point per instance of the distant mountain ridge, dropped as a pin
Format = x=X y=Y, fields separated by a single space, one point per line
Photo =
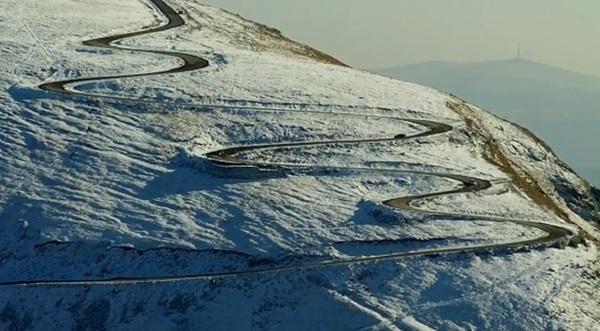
x=561 y=106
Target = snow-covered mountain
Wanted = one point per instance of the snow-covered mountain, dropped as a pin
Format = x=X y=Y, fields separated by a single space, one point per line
x=221 y=176
x=560 y=106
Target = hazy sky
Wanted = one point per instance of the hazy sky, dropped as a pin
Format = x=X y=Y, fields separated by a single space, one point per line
x=382 y=33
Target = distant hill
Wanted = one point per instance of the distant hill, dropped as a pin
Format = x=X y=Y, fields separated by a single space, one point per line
x=561 y=106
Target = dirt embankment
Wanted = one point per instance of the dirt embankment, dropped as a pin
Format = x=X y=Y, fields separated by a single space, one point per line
x=579 y=200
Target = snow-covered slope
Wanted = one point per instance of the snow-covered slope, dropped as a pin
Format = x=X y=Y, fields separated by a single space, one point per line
x=560 y=106
x=114 y=216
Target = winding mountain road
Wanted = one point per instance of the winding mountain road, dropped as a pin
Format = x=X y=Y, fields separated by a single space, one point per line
x=174 y=20
x=227 y=158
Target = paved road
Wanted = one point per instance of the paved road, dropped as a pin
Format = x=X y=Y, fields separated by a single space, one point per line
x=174 y=20
x=227 y=158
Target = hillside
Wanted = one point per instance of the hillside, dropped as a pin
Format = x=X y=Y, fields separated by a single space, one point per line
x=172 y=166
x=559 y=105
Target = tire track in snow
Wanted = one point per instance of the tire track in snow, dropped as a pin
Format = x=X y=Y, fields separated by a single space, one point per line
x=227 y=158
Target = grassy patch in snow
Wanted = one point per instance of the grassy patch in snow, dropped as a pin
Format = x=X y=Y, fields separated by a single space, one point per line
x=519 y=177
